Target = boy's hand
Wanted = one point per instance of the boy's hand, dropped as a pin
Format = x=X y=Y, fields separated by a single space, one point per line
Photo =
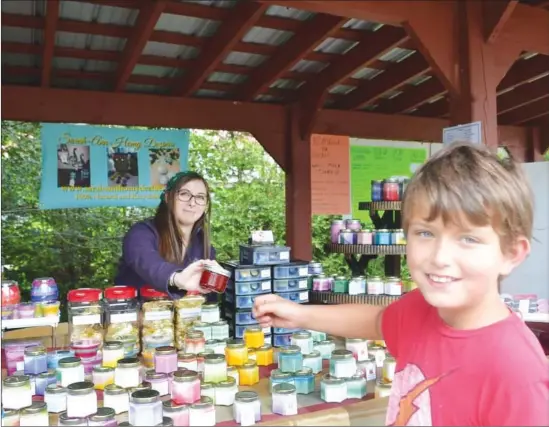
x=274 y=311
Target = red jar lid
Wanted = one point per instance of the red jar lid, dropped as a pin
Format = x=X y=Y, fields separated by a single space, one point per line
x=84 y=295
x=120 y=292
x=149 y=292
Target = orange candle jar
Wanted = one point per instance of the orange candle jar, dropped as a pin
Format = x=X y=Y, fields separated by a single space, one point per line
x=264 y=355
x=248 y=373
x=236 y=353
x=254 y=337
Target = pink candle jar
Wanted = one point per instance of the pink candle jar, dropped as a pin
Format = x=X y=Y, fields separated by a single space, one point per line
x=336 y=227
x=165 y=359
x=195 y=342
x=177 y=412
x=25 y=310
x=85 y=349
x=185 y=387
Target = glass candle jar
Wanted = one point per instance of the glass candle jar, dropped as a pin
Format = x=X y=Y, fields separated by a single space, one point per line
x=165 y=359
x=35 y=360
x=325 y=348
x=194 y=342
x=103 y=417
x=203 y=327
x=145 y=408
x=210 y=313
x=382 y=389
x=220 y=330
x=264 y=355
x=200 y=360
x=251 y=354
x=342 y=364
x=70 y=371
x=117 y=398
x=177 y=412
x=304 y=381
x=126 y=374
x=279 y=377
x=211 y=345
x=55 y=397
x=113 y=351
x=158 y=381
x=236 y=353
x=214 y=278
x=232 y=372
x=368 y=368
x=389 y=367
x=249 y=373
x=378 y=352
x=303 y=340
x=43 y=380
x=81 y=399
x=207 y=390
x=359 y=348
x=202 y=413
x=102 y=376
x=10 y=418
x=186 y=361
x=254 y=336
x=34 y=415
x=290 y=359
x=356 y=386
x=333 y=389
x=284 y=399
x=166 y=422
x=185 y=387
x=16 y=392
x=318 y=336
x=55 y=356
x=215 y=368
x=313 y=360
x=247 y=408
x=225 y=392
x=65 y=420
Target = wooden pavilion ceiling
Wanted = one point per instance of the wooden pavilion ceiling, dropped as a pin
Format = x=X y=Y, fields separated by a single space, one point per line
x=242 y=51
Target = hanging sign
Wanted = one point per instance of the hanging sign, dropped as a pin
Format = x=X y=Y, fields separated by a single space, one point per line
x=470 y=132
x=91 y=166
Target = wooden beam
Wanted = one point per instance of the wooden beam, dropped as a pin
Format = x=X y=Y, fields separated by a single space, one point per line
x=148 y=17
x=243 y=17
x=413 y=97
x=496 y=14
x=523 y=95
x=539 y=108
x=523 y=71
x=303 y=42
x=528 y=27
x=52 y=16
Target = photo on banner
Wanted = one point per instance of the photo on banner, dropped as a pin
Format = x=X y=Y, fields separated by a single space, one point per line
x=91 y=166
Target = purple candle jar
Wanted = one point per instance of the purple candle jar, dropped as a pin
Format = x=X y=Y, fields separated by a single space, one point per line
x=44 y=289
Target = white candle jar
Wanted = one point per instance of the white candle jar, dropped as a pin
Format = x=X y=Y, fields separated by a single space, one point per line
x=368 y=368
x=126 y=374
x=325 y=348
x=359 y=348
x=247 y=408
x=16 y=392
x=145 y=408
x=113 y=351
x=158 y=381
x=207 y=390
x=117 y=398
x=215 y=368
x=55 y=397
x=65 y=420
x=102 y=376
x=356 y=386
x=232 y=372
x=284 y=399
x=205 y=328
x=278 y=377
x=378 y=354
x=342 y=364
x=333 y=389
x=70 y=370
x=10 y=418
x=210 y=313
x=187 y=361
x=304 y=340
x=202 y=413
x=225 y=392
x=200 y=360
x=210 y=345
x=81 y=399
x=220 y=330
x=313 y=360
x=103 y=417
x=382 y=390
x=35 y=415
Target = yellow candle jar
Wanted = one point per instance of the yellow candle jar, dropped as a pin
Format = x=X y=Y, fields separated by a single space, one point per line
x=236 y=353
x=248 y=373
x=254 y=336
x=148 y=357
x=264 y=355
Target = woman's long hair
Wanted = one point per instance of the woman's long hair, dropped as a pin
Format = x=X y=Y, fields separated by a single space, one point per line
x=171 y=238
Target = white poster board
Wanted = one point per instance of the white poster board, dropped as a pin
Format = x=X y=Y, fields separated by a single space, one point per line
x=469 y=132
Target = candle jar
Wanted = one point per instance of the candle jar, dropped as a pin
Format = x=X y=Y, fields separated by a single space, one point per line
x=356 y=386
x=85 y=313
x=126 y=374
x=368 y=368
x=205 y=328
x=303 y=340
x=200 y=360
x=202 y=413
x=186 y=361
x=304 y=381
x=177 y=412
x=215 y=368
x=378 y=352
x=194 y=342
x=264 y=355
x=247 y=408
x=158 y=381
x=55 y=397
x=211 y=345
x=220 y=330
x=359 y=348
x=70 y=371
x=254 y=336
x=318 y=336
x=249 y=373
x=16 y=392
x=279 y=377
x=34 y=415
x=113 y=351
x=145 y=385
x=166 y=422
x=185 y=387
x=342 y=364
x=313 y=360
x=145 y=408
x=207 y=390
x=103 y=417
x=65 y=420
x=102 y=376
x=236 y=353
x=284 y=399
x=225 y=392
x=333 y=389
x=214 y=278
x=55 y=356
x=117 y=398
x=382 y=389
x=232 y=372
x=81 y=399
x=43 y=380
x=325 y=348
x=210 y=313
x=10 y=418
x=165 y=359
x=35 y=360
x=389 y=367
x=251 y=354
x=290 y=359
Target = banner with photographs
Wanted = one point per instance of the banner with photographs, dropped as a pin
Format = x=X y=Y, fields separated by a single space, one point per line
x=91 y=166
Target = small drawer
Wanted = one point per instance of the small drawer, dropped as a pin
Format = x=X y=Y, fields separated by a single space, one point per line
x=237 y=331
x=249 y=288
x=299 y=297
x=247 y=273
x=288 y=285
x=291 y=270
x=239 y=317
x=281 y=340
x=241 y=301
x=264 y=255
x=285 y=330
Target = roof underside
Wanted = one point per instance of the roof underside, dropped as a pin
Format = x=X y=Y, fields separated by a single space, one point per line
x=238 y=50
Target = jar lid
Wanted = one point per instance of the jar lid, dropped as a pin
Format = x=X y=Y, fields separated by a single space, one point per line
x=254 y=328
x=342 y=354
x=16 y=380
x=203 y=403
x=383 y=230
x=359 y=376
x=171 y=405
x=212 y=342
x=55 y=389
x=326 y=342
x=203 y=353
x=36 y=350
x=10 y=412
x=120 y=292
x=166 y=422
x=165 y=350
x=102 y=369
x=81 y=387
x=50 y=373
x=183 y=376
x=249 y=365
x=235 y=344
x=232 y=369
x=305 y=371
x=102 y=414
x=113 y=345
x=376 y=347
x=314 y=353
x=328 y=379
x=302 y=335
x=145 y=385
x=278 y=374
x=390 y=358
x=356 y=340
x=84 y=295
x=217 y=269
x=186 y=357
x=291 y=349
x=127 y=339
x=152 y=375
x=374 y=278
x=9 y=283
x=145 y=396
x=337 y=221
x=318 y=264
x=128 y=362
x=206 y=386
x=150 y=292
x=72 y=421
x=264 y=347
x=341 y=278
x=114 y=389
x=346 y=230
x=69 y=362
x=383 y=384
x=229 y=382
x=220 y=323
x=284 y=388
x=195 y=335
x=246 y=396
x=34 y=408
x=210 y=306
x=214 y=358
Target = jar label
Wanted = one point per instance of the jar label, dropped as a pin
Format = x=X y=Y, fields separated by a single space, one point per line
x=302 y=284
x=303 y=271
x=123 y=317
x=158 y=315
x=266 y=273
x=88 y=319
x=303 y=296
x=265 y=286
x=188 y=312
x=284 y=255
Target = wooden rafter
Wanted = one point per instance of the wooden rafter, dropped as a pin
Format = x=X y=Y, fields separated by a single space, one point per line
x=148 y=17
x=52 y=17
x=529 y=112
x=242 y=18
x=437 y=108
x=523 y=95
x=523 y=71
x=496 y=14
x=413 y=97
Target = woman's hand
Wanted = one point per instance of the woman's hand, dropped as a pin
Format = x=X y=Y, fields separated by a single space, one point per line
x=274 y=311
x=189 y=279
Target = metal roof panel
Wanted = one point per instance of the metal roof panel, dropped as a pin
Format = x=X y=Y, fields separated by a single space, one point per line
x=187 y=25
x=267 y=36
x=222 y=77
x=289 y=12
x=246 y=59
x=336 y=46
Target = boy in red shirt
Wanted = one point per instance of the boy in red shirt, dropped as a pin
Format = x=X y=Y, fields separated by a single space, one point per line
x=463 y=358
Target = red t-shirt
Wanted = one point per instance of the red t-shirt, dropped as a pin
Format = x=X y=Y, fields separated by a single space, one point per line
x=493 y=376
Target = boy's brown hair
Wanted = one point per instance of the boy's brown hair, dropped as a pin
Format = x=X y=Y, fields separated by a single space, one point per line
x=466 y=181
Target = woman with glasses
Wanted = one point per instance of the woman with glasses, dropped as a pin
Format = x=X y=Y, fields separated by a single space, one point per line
x=170 y=251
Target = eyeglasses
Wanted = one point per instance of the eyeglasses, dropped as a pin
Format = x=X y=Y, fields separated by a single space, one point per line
x=185 y=196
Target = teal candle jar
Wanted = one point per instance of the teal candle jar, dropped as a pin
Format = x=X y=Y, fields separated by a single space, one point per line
x=279 y=377
x=318 y=336
x=356 y=386
x=290 y=359
x=304 y=381
x=325 y=348
x=313 y=360
x=341 y=285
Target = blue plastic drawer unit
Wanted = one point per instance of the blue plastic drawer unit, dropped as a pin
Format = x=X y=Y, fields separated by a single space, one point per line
x=247 y=273
x=299 y=297
x=244 y=317
x=264 y=255
x=286 y=330
x=282 y=340
x=241 y=301
x=289 y=285
x=238 y=331
x=249 y=288
x=291 y=270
